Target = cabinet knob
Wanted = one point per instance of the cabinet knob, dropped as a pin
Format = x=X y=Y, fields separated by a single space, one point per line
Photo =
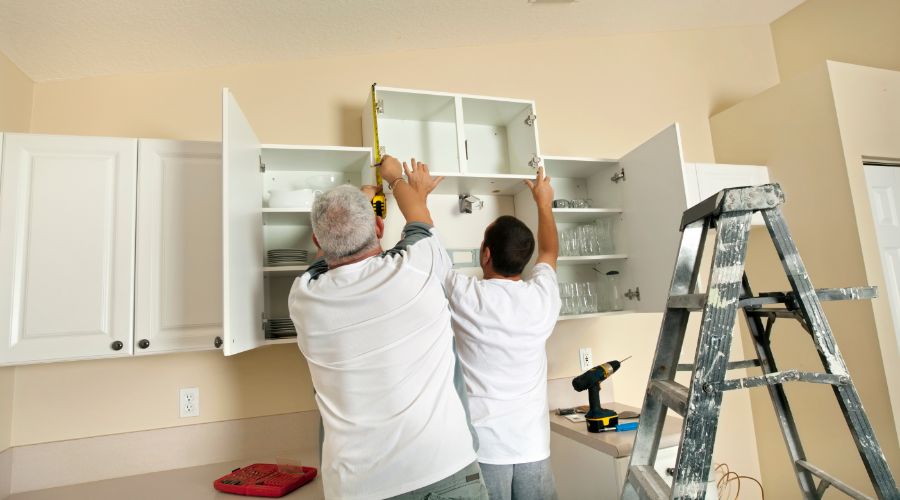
x=144 y=343
x=218 y=342
x=117 y=345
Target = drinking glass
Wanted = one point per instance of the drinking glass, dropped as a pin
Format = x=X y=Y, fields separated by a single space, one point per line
x=604 y=235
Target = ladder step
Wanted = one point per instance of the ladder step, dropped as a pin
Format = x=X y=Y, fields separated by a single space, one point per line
x=672 y=394
x=829 y=480
x=733 y=365
x=648 y=482
x=785 y=376
x=690 y=301
x=847 y=293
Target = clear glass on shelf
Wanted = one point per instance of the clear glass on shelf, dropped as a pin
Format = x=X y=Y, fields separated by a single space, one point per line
x=614 y=301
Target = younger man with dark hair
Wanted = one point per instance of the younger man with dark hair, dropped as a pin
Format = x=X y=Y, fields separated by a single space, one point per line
x=501 y=324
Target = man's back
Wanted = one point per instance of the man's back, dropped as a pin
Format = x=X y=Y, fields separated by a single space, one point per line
x=376 y=334
x=501 y=328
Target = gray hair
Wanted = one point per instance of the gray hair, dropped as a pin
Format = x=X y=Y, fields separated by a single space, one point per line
x=343 y=222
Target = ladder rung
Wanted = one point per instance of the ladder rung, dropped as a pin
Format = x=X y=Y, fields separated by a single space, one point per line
x=782 y=377
x=691 y=301
x=847 y=293
x=829 y=480
x=734 y=365
x=672 y=394
x=648 y=482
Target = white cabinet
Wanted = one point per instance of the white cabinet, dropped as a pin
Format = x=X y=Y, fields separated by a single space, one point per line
x=643 y=195
x=253 y=292
x=481 y=145
x=67 y=228
x=178 y=288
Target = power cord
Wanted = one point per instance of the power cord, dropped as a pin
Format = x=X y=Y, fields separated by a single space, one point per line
x=723 y=485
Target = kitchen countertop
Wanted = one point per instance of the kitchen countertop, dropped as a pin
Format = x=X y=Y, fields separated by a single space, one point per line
x=616 y=444
x=192 y=483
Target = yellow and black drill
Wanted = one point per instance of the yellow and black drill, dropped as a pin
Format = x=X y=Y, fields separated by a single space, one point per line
x=597 y=417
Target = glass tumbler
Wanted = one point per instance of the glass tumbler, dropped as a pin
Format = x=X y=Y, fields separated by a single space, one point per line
x=614 y=298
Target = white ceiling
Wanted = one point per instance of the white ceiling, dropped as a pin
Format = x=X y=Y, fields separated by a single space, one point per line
x=60 y=39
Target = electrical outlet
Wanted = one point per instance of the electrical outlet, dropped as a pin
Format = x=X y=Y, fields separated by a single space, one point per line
x=189 y=402
x=585 y=358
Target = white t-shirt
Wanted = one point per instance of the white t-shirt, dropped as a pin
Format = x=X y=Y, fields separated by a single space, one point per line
x=501 y=329
x=377 y=336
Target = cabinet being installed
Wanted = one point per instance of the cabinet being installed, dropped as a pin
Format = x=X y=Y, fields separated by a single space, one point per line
x=255 y=291
x=67 y=222
x=483 y=145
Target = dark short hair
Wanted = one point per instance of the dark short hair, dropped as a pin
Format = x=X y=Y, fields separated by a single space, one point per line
x=511 y=244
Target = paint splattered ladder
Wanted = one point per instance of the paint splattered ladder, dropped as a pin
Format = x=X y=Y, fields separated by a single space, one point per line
x=729 y=212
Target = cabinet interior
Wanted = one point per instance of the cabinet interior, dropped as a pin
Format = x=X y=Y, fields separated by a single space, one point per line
x=421 y=126
x=497 y=138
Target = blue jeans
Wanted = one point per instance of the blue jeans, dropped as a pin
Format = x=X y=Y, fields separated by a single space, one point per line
x=467 y=484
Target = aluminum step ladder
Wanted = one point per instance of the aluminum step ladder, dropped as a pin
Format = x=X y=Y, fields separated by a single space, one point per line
x=729 y=212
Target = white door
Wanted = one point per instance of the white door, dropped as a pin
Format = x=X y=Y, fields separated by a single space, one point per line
x=67 y=207
x=178 y=288
x=242 y=231
x=884 y=196
x=654 y=202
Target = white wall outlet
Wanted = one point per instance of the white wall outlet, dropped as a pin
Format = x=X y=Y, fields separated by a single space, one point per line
x=189 y=402
x=585 y=359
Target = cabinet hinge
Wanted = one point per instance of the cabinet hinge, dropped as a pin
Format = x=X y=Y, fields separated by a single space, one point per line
x=619 y=176
x=379 y=106
x=633 y=294
x=534 y=162
x=529 y=120
x=262 y=166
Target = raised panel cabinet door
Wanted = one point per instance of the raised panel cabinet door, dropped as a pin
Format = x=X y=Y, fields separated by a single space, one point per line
x=654 y=201
x=67 y=209
x=242 y=231
x=178 y=302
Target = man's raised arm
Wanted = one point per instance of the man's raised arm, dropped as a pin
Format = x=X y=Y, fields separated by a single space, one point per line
x=547 y=241
x=411 y=193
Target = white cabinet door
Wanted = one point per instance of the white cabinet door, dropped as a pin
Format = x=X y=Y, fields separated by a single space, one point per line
x=654 y=202
x=242 y=231
x=178 y=302
x=67 y=209
x=714 y=177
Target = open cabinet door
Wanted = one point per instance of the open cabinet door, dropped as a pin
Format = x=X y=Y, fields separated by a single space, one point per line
x=654 y=201
x=242 y=231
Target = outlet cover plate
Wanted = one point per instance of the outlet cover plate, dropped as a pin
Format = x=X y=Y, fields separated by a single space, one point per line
x=585 y=358
x=189 y=402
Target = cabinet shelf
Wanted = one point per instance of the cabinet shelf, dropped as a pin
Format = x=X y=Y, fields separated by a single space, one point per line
x=481 y=184
x=583 y=214
x=286 y=216
x=279 y=270
x=576 y=167
x=592 y=315
x=301 y=158
x=591 y=259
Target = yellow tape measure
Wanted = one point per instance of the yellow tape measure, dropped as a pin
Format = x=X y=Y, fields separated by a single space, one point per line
x=379 y=202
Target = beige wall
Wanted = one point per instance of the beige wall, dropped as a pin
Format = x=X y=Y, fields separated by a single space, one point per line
x=858 y=31
x=15 y=97
x=793 y=128
x=867 y=104
x=595 y=97
x=15 y=116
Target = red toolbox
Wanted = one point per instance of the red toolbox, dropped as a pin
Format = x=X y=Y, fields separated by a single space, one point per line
x=265 y=480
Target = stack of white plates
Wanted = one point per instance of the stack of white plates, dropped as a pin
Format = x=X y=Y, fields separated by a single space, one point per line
x=286 y=257
x=278 y=328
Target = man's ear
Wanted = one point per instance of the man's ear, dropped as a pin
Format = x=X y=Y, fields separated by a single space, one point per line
x=379 y=227
x=316 y=242
x=485 y=255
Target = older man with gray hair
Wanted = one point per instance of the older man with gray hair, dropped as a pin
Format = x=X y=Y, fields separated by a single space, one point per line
x=374 y=326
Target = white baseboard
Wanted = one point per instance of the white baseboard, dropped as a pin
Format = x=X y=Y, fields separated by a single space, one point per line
x=62 y=463
x=5 y=472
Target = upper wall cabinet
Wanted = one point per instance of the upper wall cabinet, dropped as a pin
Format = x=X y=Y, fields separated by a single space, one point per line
x=703 y=180
x=67 y=222
x=267 y=193
x=636 y=202
x=178 y=304
x=481 y=145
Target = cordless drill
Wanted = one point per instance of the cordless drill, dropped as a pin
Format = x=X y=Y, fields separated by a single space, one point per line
x=597 y=417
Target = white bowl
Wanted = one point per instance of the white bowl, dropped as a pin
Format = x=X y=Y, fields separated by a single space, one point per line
x=323 y=182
